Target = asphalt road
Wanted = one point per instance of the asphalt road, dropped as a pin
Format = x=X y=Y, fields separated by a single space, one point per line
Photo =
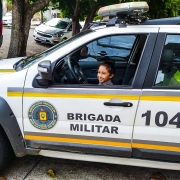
x=35 y=167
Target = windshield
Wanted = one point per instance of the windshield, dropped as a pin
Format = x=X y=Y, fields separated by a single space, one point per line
x=57 y=23
x=28 y=61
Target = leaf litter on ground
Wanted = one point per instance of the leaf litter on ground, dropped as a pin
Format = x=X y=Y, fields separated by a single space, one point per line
x=51 y=173
x=158 y=176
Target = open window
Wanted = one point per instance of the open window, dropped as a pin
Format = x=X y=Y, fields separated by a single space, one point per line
x=125 y=50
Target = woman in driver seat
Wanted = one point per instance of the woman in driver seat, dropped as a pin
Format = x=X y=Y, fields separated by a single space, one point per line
x=106 y=72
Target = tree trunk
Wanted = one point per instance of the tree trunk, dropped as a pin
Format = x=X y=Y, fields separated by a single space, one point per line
x=22 y=13
x=42 y=17
x=90 y=17
x=75 y=19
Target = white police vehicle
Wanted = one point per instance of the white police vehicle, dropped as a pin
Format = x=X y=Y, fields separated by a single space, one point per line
x=51 y=104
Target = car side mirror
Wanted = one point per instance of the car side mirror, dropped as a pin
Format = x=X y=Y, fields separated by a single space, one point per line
x=44 y=70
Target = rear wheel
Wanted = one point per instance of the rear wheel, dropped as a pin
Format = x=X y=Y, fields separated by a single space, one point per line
x=6 y=151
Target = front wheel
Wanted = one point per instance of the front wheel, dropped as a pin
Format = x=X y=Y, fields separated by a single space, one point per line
x=38 y=41
x=6 y=151
x=63 y=39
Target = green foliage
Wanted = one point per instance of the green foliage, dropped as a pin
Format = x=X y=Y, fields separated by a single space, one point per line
x=9 y=1
x=157 y=9
x=161 y=8
x=67 y=7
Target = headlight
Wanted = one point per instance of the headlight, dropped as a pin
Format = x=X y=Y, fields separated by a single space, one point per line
x=58 y=35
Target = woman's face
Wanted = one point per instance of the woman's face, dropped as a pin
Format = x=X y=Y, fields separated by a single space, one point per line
x=103 y=74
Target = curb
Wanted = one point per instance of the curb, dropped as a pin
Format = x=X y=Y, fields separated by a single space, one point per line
x=9 y=27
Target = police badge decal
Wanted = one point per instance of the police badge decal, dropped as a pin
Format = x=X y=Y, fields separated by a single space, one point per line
x=42 y=115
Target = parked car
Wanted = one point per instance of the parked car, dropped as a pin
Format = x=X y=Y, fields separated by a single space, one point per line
x=52 y=105
x=50 y=32
x=68 y=33
x=7 y=19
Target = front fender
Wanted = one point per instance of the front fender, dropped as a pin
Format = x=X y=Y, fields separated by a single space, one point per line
x=10 y=125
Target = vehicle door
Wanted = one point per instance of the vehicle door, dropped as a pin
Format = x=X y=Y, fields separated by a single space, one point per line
x=156 y=132
x=88 y=118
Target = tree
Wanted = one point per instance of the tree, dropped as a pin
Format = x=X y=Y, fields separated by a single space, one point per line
x=161 y=8
x=78 y=9
x=164 y=8
x=22 y=13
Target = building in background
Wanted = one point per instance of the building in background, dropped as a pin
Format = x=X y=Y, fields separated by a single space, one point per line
x=51 y=13
x=36 y=20
x=45 y=16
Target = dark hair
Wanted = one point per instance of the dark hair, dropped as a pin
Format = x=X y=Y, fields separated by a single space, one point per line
x=110 y=65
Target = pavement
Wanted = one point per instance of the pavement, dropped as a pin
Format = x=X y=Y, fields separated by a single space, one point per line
x=36 y=168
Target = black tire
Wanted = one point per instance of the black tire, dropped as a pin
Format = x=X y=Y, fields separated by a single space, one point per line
x=6 y=151
x=63 y=39
x=38 y=41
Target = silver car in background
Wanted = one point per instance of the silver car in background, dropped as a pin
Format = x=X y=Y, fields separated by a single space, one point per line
x=7 y=19
x=52 y=31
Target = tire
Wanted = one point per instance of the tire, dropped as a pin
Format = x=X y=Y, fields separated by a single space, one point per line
x=6 y=151
x=63 y=39
x=38 y=41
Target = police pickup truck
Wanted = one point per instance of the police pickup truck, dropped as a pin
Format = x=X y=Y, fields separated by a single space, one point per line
x=51 y=103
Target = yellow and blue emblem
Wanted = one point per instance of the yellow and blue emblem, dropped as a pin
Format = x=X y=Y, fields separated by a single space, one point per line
x=42 y=115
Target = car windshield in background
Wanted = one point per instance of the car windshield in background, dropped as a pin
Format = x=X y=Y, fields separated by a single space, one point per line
x=97 y=24
x=57 y=23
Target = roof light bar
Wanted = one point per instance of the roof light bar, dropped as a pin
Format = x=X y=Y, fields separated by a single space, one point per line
x=124 y=8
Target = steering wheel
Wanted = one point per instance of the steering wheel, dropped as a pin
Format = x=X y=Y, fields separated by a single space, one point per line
x=76 y=71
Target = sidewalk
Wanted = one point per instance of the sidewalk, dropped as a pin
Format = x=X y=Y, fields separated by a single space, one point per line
x=9 y=27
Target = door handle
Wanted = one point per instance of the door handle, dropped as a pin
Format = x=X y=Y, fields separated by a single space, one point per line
x=124 y=104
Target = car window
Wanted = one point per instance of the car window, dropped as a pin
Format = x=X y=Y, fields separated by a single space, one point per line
x=169 y=66
x=124 y=50
x=117 y=48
